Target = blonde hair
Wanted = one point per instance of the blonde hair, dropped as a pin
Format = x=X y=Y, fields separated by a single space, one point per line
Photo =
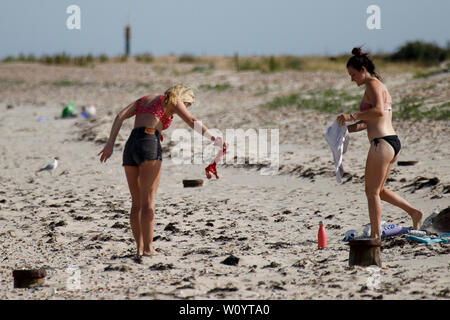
x=179 y=92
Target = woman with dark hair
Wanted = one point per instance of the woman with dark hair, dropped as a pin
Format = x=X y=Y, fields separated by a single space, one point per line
x=376 y=116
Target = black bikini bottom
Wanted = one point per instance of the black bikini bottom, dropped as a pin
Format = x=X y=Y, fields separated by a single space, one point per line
x=394 y=141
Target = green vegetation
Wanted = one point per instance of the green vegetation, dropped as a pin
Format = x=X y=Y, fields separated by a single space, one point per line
x=187 y=58
x=426 y=74
x=159 y=69
x=339 y=101
x=418 y=57
x=145 y=58
x=329 y=101
x=412 y=108
x=262 y=91
x=268 y=64
x=204 y=67
x=12 y=81
x=57 y=59
x=145 y=85
x=103 y=58
x=217 y=87
x=420 y=51
x=68 y=83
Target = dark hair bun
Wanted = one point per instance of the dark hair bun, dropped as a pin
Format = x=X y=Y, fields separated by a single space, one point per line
x=357 y=52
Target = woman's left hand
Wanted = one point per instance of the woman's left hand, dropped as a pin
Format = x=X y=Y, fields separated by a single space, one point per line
x=342 y=118
x=219 y=142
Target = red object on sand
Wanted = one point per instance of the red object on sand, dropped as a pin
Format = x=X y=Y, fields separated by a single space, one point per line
x=212 y=166
x=322 y=236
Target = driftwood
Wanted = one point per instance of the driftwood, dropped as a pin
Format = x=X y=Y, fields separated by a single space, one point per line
x=192 y=183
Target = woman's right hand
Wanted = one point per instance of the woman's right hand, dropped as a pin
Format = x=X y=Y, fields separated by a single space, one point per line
x=106 y=153
x=342 y=118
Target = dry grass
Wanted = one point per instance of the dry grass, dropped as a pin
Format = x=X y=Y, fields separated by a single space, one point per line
x=238 y=63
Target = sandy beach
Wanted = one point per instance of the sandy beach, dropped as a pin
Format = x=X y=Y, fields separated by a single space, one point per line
x=77 y=218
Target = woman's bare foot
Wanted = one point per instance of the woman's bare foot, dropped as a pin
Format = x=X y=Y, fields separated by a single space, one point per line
x=416 y=217
x=149 y=253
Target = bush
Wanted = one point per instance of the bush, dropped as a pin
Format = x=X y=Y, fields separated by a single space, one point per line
x=9 y=59
x=146 y=58
x=418 y=51
x=268 y=64
x=187 y=58
x=103 y=58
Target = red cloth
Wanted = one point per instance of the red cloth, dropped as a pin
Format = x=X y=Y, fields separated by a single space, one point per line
x=212 y=166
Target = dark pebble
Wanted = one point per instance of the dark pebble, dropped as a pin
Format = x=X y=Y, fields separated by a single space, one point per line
x=231 y=261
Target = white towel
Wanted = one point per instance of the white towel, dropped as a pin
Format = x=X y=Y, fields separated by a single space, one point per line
x=337 y=138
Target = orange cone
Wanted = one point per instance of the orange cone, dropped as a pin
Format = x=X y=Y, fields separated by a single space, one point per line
x=322 y=236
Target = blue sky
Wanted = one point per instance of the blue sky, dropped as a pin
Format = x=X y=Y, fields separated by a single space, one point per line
x=213 y=27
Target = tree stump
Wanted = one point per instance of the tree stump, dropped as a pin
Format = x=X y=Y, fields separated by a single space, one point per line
x=192 y=183
x=28 y=278
x=365 y=252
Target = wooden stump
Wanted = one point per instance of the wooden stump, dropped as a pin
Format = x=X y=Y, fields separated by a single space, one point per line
x=365 y=252
x=28 y=278
x=407 y=163
x=192 y=183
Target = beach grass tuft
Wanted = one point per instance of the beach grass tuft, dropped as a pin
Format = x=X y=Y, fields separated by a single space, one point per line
x=328 y=101
x=414 y=108
x=341 y=101
x=217 y=87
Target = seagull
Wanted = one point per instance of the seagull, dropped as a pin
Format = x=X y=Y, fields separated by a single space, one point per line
x=50 y=167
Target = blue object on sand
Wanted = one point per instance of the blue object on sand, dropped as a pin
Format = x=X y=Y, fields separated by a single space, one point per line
x=397 y=230
x=350 y=234
x=427 y=240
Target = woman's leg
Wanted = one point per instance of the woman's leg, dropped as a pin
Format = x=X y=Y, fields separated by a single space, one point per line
x=132 y=174
x=396 y=200
x=149 y=177
x=378 y=161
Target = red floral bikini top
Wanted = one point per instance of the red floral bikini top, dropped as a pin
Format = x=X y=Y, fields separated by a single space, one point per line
x=155 y=108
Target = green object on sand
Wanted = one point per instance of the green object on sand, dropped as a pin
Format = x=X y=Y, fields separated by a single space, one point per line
x=69 y=110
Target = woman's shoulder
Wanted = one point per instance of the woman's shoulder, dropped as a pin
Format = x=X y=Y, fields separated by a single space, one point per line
x=148 y=98
x=374 y=84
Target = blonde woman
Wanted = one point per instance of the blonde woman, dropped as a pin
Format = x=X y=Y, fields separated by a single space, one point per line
x=142 y=155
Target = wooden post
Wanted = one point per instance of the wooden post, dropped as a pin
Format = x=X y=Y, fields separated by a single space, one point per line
x=365 y=252
x=236 y=61
x=127 y=40
x=28 y=278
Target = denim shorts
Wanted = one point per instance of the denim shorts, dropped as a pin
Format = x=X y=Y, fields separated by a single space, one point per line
x=143 y=144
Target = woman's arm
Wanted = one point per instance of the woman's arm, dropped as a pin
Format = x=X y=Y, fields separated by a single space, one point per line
x=358 y=126
x=183 y=113
x=125 y=113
